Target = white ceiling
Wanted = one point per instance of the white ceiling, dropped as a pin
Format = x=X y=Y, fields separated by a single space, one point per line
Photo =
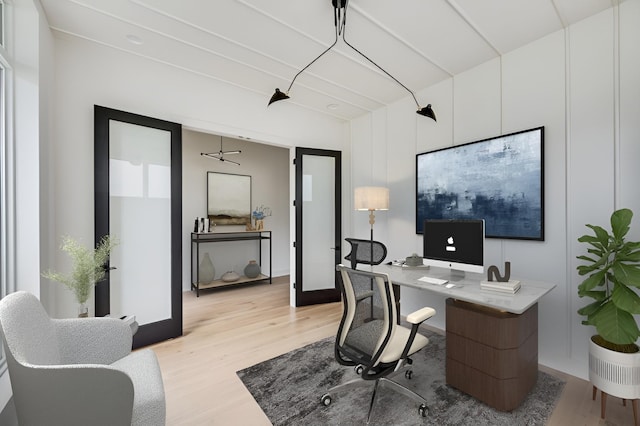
x=261 y=44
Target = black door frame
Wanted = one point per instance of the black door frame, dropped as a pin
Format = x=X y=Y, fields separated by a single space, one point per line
x=304 y=298
x=172 y=327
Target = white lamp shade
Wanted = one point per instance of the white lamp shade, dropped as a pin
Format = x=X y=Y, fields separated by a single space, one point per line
x=371 y=198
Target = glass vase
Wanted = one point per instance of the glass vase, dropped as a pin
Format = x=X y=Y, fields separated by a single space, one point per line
x=83 y=310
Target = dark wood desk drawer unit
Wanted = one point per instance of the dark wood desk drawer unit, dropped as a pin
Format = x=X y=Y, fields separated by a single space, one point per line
x=492 y=355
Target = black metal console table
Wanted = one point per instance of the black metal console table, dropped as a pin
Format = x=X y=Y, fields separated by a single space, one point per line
x=198 y=238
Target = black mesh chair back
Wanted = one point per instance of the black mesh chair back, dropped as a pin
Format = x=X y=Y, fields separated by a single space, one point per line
x=369 y=304
x=366 y=252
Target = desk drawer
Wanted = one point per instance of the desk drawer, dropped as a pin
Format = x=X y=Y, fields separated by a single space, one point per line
x=502 y=330
x=492 y=355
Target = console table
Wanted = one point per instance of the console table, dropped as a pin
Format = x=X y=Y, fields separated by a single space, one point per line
x=198 y=238
x=492 y=338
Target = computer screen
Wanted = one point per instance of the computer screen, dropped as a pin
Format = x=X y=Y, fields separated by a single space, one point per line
x=454 y=244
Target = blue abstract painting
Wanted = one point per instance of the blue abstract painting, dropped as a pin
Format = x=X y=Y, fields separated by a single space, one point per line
x=500 y=180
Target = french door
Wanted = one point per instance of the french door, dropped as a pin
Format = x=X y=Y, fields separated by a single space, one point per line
x=318 y=225
x=138 y=201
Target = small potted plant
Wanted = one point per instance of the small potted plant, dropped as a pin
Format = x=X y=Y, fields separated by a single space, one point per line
x=612 y=270
x=89 y=267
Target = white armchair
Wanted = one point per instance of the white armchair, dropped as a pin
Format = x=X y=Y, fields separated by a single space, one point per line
x=77 y=371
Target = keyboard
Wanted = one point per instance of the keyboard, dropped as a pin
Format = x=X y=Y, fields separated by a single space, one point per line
x=430 y=280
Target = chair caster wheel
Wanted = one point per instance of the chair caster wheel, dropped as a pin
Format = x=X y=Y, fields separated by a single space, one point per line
x=358 y=369
x=408 y=374
x=423 y=410
x=326 y=400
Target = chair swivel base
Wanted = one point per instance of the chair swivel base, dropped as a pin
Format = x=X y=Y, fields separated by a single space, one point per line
x=380 y=382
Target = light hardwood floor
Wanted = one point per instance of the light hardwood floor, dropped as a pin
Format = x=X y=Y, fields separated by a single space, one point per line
x=229 y=329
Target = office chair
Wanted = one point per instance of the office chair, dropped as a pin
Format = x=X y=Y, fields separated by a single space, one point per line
x=78 y=371
x=377 y=346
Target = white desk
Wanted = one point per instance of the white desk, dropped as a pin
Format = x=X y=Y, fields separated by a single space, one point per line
x=468 y=288
x=492 y=338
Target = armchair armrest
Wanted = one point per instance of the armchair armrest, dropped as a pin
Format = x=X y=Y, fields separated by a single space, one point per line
x=420 y=315
x=72 y=395
x=93 y=340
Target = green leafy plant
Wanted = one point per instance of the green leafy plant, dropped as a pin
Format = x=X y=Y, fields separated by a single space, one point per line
x=612 y=267
x=88 y=266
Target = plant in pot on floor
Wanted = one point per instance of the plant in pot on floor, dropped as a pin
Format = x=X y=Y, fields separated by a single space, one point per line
x=612 y=270
x=89 y=268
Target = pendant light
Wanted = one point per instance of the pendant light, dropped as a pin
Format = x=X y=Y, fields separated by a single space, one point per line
x=340 y=20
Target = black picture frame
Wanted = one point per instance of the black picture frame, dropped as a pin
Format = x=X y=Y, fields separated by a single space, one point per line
x=499 y=179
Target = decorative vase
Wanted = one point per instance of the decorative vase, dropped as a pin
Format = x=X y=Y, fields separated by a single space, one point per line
x=252 y=270
x=83 y=310
x=230 y=277
x=259 y=224
x=206 y=272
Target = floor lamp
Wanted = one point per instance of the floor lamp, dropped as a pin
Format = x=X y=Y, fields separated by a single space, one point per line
x=371 y=198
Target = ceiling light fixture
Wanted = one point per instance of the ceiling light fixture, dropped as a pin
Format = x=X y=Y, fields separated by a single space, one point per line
x=220 y=154
x=340 y=21
x=134 y=39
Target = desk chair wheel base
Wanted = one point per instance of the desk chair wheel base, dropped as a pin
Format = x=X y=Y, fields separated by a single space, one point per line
x=423 y=410
x=408 y=374
x=326 y=400
x=358 y=369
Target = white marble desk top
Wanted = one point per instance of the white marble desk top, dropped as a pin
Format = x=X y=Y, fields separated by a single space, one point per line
x=468 y=288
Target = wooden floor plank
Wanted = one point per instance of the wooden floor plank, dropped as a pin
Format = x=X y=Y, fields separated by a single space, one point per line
x=228 y=329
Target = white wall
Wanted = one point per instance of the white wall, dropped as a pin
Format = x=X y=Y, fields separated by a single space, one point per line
x=268 y=167
x=582 y=84
x=89 y=73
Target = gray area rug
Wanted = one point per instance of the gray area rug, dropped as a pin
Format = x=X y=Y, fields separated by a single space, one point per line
x=288 y=389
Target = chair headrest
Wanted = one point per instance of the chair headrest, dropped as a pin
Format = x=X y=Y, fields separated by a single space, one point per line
x=366 y=252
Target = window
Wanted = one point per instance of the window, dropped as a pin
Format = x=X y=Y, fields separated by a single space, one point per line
x=6 y=167
x=1 y=23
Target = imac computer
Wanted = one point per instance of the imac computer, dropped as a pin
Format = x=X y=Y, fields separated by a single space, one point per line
x=454 y=244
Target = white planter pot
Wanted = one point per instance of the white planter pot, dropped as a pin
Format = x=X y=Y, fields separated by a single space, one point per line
x=615 y=373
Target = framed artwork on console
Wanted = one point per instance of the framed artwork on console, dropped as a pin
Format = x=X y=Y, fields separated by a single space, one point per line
x=228 y=198
x=500 y=180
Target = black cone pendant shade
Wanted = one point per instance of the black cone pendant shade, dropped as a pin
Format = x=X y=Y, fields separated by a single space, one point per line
x=427 y=112
x=340 y=20
x=278 y=96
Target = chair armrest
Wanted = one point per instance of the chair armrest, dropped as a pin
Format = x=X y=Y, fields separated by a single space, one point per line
x=420 y=315
x=415 y=319
x=93 y=340
x=72 y=395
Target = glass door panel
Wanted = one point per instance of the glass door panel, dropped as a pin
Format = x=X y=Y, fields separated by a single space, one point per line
x=140 y=217
x=138 y=200
x=318 y=225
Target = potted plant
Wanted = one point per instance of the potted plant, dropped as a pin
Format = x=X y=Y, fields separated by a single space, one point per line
x=612 y=270
x=259 y=214
x=89 y=267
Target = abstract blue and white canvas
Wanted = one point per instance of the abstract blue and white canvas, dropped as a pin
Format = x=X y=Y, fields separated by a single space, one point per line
x=500 y=180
